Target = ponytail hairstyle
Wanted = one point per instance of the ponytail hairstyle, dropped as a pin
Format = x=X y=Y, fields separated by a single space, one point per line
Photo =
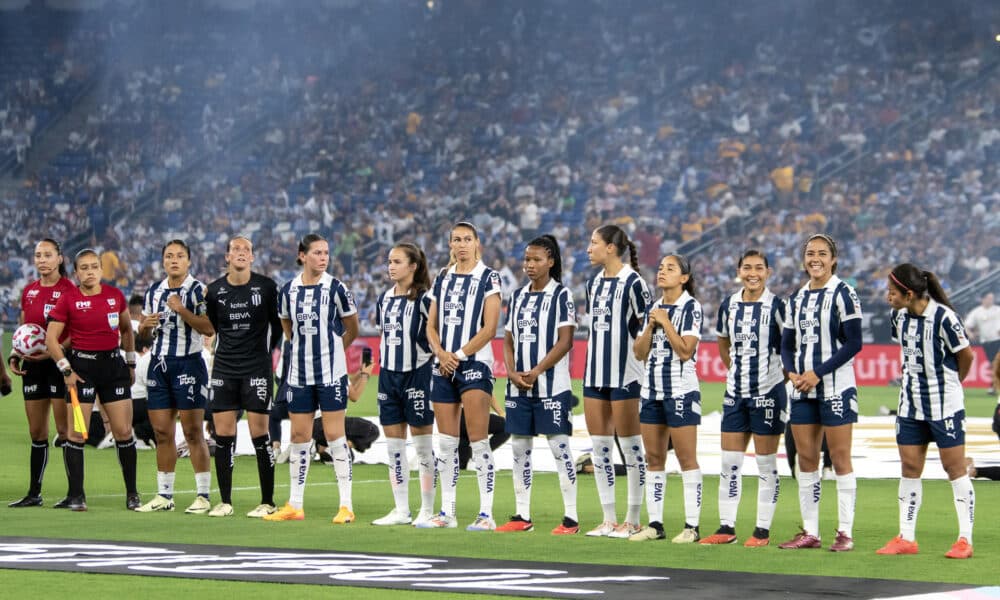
x=829 y=242
x=685 y=266
x=549 y=243
x=180 y=243
x=475 y=233
x=613 y=234
x=307 y=241
x=908 y=278
x=421 y=276
x=62 y=259
x=754 y=252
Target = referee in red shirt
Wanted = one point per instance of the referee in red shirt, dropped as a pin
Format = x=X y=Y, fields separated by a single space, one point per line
x=95 y=315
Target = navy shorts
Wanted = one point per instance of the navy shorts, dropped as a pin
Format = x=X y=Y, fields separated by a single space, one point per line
x=179 y=383
x=946 y=433
x=470 y=375
x=308 y=398
x=404 y=397
x=628 y=392
x=252 y=394
x=42 y=380
x=105 y=375
x=828 y=412
x=762 y=415
x=540 y=416
x=673 y=412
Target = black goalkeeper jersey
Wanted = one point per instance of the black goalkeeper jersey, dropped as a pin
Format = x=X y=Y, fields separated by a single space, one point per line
x=246 y=322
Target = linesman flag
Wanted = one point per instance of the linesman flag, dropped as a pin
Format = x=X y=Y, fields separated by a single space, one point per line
x=79 y=425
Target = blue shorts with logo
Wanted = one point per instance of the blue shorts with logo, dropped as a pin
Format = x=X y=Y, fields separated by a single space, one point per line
x=540 y=416
x=470 y=375
x=673 y=412
x=404 y=397
x=177 y=383
x=828 y=412
x=762 y=415
x=309 y=398
x=946 y=433
x=627 y=392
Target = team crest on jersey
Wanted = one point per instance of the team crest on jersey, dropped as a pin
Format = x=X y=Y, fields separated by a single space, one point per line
x=255 y=297
x=111 y=302
x=473 y=287
x=324 y=298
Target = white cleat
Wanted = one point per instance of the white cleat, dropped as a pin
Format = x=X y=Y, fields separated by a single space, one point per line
x=262 y=511
x=200 y=506
x=158 y=503
x=395 y=517
x=221 y=510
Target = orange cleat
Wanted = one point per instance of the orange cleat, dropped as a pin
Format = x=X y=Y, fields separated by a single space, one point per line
x=898 y=545
x=286 y=513
x=960 y=549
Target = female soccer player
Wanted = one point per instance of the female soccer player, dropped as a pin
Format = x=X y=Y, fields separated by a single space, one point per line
x=537 y=341
x=617 y=299
x=174 y=314
x=96 y=317
x=755 y=404
x=462 y=320
x=315 y=308
x=42 y=384
x=936 y=358
x=243 y=308
x=404 y=382
x=671 y=400
x=820 y=338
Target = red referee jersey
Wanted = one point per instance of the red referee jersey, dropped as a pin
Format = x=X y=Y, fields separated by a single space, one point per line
x=37 y=300
x=92 y=321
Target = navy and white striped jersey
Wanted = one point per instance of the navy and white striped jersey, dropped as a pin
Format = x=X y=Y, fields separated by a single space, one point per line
x=666 y=375
x=174 y=337
x=754 y=333
x=317 y=356
x=617 y=306
x=816 y=317
x=403 y=346
x=931 y=389
x=460 y=300
x=533 y=321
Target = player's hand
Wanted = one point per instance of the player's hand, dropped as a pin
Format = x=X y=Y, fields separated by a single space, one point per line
x=807 y=382
x=14 y=364
x=38 y=356
x=174 y=302
x=150 y=321
x=73 y=379
x=447 y=363
x=529 y=378
x=660 y=317
x=518 y=380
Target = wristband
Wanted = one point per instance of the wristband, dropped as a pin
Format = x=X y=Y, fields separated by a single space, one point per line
x=461 y=355
x=130 y=358
x=63 y=365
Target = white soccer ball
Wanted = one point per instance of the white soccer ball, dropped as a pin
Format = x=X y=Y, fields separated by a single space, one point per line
x=28 y=340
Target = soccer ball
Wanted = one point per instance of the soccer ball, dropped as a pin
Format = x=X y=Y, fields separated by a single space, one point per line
x=28 y=340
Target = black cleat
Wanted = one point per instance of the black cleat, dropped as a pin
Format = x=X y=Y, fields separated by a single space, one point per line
x=75 y=503
x=132 y=501
x=26 y=502
x=64 y=503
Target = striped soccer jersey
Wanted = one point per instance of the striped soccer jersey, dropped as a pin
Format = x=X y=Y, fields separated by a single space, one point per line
x=534 y=320
x=754 y=333
x=317 y=353
x=403 y=346
x=616 y=306
x=461 y=299
x=666 y=375
x=929 y=343
x=817 y=317
x=174 y=337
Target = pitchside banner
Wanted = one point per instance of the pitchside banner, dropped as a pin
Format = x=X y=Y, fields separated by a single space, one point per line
x=876 y=364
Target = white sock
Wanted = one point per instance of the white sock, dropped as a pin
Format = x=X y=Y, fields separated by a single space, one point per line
x=692 y=497
x=399 y=473
x=203 y=483
x=343 y=469
x=559 y=444
x=767 y=489
x=521 y=445
x=911 y=494
x=847 y=493
x=165 y=483
x=604 y=474
x=656 y=488
x=810 y=489
x=965 y=505
x=730 y=487
x=424 y=445
x=635 y=469
x=298 y=468
x=448 y=470
x=485 y=474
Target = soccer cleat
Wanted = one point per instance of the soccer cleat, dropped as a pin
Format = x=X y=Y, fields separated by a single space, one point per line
x=441 y=521
x=262 y=511
x=801 y=541
x=483 y=522
x=200 y=506
x=688 y=535
x=282 y=457
x=960 y=549
x=761 y=537
x=26 y=502
x=842 y=543
x=395 y=517
x=625 y=531
x=648 y=534
x=516 y=523
x=73 y=503
x=567 y=527
x=423 y=518
x=158 y=503
x=725 y=535
x=221 y=509
x=132 y=501
x=64 y=503
x=605 y=529
x=898 y=545
x=286 y=513
x=344 y=516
